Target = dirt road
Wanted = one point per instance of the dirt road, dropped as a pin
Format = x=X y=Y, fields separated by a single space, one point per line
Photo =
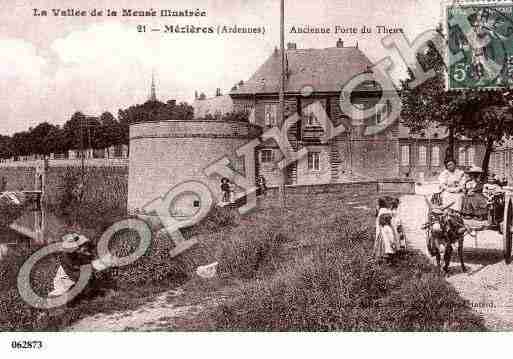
x=488 y=283
x=157 y=314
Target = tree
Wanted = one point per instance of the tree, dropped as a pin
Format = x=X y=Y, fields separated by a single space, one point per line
x=22 y=143
x=5 y=147
x=153 y=111
x=111 y=131
x=82 y=132
x=55 y=141
x=38 y=136
x=478 y=115
x=74 y=132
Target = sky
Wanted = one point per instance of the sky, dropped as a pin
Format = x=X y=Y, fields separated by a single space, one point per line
x=53 y=66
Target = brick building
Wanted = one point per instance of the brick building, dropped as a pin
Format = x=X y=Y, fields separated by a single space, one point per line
x=350 y=156
x=392 y=152
x=422 y=156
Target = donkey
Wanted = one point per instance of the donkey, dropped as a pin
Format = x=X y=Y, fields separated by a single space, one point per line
x=444 y=228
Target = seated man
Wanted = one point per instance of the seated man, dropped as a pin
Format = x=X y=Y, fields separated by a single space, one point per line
x=475 y=204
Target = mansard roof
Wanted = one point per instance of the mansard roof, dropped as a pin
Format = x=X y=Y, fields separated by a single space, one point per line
x=325 y=70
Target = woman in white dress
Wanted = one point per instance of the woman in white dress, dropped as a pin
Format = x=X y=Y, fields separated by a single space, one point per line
x=452 y=183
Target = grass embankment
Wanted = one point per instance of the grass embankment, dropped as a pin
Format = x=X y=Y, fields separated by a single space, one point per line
x=311 y=269
x=302 y=269
x=127 y=287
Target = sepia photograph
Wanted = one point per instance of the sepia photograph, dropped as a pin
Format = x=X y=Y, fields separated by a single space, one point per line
x=249 y=166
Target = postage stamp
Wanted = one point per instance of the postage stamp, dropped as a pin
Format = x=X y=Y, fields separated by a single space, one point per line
x=480 y=46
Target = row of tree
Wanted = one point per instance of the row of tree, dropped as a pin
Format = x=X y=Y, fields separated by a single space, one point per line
x=82 y=131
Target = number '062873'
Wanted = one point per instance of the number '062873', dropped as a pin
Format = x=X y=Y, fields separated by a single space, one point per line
x=25 y=344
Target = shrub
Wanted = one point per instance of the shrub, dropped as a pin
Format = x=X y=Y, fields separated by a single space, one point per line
x=250 y=250
x=17 y=315
x=101 y=200
x=219 y=218
x=426 y=304
x=315 y=292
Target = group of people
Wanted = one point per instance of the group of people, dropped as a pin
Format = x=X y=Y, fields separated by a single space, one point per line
x=228 y=188
x=467 y=192
x=390 y=240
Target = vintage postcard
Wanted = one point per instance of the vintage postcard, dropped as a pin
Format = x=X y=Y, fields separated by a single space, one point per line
x=255 y=166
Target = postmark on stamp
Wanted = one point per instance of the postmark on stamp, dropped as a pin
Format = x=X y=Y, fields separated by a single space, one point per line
x=480 y=46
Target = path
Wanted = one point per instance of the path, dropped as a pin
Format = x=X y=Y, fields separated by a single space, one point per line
x=488 y=284
x=157 y=314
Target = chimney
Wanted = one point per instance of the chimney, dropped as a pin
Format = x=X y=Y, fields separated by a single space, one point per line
x=340 y=43
x=291 y=46
x=218 y=92
x=196 y=96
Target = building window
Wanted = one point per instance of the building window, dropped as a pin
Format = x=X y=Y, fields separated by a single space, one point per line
x=422 y=156
x=435 y=156
x=462 y=156
x=470 y=156
x=248 y=107
x=466 y=156
x=311 y=119
x=266 y=156
x=380 y=112
x=405 y=155
x=313 y=161
x=270 y=114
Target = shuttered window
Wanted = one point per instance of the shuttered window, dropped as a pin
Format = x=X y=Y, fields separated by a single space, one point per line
x=435 y=156
x=422 y=156
x=405 y=155
x=313 y=161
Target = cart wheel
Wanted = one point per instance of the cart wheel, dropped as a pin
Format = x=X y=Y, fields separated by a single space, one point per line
x=507 y=236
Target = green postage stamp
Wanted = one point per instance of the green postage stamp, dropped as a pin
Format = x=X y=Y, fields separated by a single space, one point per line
x=480 y=46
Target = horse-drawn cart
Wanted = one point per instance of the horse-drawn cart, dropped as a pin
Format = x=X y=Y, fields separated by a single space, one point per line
x=445 y=227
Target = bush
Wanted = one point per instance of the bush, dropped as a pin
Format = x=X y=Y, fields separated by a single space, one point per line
x=219 y=218
x=154 y=266
x=93 y=199
x=15 y=314
x=249 y=251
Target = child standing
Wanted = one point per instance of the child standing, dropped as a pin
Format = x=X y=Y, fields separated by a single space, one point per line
x=397 y=225
x=225 y=188
x=385 y=241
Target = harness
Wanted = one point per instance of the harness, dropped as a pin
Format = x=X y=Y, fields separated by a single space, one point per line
x=451 y=227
